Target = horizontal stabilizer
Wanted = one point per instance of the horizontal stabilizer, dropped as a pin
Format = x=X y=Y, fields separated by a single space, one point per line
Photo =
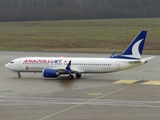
x=145 y=60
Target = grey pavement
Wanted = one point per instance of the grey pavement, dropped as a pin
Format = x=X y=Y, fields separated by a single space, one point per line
x=93 y=97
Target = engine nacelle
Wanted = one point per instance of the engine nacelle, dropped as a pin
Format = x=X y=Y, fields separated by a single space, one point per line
x=50 y=73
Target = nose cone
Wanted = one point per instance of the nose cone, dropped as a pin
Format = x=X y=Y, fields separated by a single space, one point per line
x=7 y=66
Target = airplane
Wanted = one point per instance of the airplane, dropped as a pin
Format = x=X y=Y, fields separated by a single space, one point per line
x=52 y=67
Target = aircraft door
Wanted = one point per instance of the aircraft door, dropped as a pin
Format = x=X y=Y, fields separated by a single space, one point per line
x=118 y=64
x=19 y=63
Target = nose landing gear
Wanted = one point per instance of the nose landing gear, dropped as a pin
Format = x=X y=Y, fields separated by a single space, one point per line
x=18 y=75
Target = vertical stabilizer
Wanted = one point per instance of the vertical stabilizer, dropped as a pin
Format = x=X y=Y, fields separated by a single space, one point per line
x=134 y=50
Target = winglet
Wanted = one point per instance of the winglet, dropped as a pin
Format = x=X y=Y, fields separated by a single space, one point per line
x=68 y=68
x=113 y=54
x=134 y=50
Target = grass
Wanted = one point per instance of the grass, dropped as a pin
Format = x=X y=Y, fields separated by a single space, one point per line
x=79 y=35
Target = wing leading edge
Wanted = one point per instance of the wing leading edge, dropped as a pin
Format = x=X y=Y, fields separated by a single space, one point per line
x=69 y=70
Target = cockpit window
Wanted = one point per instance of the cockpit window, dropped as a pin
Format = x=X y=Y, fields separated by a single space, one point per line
x=12 y=62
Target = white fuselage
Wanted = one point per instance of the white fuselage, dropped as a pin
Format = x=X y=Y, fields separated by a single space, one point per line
x=82 y=65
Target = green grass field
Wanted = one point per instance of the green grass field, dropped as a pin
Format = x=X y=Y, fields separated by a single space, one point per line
x=105 y=35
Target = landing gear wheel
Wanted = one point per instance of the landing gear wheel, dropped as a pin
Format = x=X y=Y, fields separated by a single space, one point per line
x=18 y=75
x=78 y=75
x=70 y=77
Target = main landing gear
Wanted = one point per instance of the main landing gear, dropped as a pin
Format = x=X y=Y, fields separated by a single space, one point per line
x=18 y=75
x=78 y=75
x=70 y=77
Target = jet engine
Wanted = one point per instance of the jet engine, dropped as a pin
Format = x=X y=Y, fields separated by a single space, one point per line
x=50 y=73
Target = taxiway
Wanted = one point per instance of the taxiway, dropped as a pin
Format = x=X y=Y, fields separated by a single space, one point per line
x=93 y=97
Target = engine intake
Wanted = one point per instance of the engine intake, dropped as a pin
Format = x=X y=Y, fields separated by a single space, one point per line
x=50 y=73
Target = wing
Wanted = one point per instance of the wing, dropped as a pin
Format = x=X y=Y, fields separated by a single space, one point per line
x=74 y=71
x=69 y=70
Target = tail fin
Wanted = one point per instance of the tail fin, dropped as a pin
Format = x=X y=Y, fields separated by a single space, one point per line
x=134 y=50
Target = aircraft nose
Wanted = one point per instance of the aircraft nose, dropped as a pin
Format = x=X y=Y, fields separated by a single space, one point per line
x=7 y=66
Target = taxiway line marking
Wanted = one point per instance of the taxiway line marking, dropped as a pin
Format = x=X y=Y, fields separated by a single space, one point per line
x=126 y=82
x=75 y=106
x=152 y=82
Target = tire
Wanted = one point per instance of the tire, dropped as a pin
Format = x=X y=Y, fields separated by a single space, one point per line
x=70 y=77
x=78 y=75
